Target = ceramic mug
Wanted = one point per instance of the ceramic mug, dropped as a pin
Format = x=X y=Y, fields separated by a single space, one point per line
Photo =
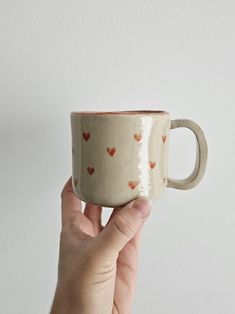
x=122 y=155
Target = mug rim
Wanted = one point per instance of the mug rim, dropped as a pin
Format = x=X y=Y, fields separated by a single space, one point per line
x=124 y=112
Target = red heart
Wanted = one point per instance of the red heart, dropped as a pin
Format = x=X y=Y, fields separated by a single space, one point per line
x=152 y=164
x=86 y=135
x=138 y=137
x=164 y=137
x=133 y=184
x=90 y=170
x=111 y=151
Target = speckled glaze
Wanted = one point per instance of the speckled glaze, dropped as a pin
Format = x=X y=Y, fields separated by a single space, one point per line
x=119 y=156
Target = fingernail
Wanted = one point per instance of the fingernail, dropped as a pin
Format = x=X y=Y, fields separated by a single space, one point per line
x=144 y=205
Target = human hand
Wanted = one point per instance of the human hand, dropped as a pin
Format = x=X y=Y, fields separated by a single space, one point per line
x=97 y=265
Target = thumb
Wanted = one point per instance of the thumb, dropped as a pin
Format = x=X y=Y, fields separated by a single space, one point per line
x=124 y=225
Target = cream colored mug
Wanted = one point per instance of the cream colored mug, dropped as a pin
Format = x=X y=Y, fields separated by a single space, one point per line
x=122 y=155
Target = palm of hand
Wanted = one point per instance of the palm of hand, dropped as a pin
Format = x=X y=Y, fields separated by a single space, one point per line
x=82 y=263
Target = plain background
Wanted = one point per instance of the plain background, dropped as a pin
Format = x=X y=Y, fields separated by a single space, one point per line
x=60 y=56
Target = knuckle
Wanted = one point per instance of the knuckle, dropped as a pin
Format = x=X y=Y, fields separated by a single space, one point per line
x=62 y=194
x=72 y=227
x=69 y=228
x=64 y=233
x=123 y=226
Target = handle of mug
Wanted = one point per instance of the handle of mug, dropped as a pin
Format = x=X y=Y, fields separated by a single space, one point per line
x=201 y=158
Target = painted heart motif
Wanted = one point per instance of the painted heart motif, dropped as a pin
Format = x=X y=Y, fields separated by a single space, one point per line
x=152 y=164
x=111 y=151
x=75 y=182
x=164 y=137
x=90 y=170
x=138 y=137
x=86 y=135
x=133 y=184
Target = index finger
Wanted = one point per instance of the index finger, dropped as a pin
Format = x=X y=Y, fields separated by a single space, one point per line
x=71 y=205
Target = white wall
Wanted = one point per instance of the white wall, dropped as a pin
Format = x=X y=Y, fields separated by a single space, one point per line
x=59 y=56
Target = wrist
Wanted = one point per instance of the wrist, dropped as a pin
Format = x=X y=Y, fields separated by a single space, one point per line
x=65 y=301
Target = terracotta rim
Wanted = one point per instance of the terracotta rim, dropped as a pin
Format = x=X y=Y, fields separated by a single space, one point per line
x=129 y=112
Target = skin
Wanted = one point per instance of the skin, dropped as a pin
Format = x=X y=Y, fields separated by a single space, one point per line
x=98 y=265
